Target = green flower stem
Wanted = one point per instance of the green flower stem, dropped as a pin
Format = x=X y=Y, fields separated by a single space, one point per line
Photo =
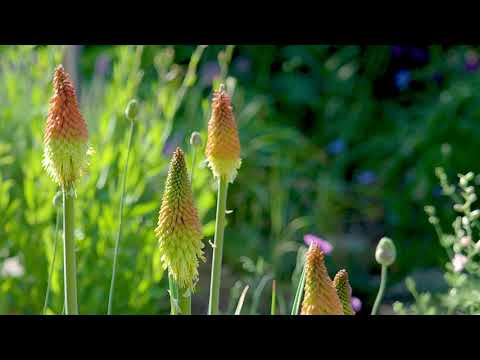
x=218 y=247
x=119 y=232
x=69 y=271
x=194 y=153
x=174 y=302
x=381 y=290
x=52 y=266
x=185 y=302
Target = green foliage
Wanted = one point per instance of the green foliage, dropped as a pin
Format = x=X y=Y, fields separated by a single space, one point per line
x=462 y=246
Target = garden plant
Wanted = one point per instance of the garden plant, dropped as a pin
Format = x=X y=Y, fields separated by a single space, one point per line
x=234 y=180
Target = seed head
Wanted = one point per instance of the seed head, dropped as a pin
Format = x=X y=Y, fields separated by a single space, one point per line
x=320 y=295
x=344 y=291
x=66 y=134
x=386 y=252
x=179 y=230
x=223 y=145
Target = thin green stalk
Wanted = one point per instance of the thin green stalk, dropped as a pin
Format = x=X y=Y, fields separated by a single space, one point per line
x=120 y=221
x=381 y=290
x=299 y=293
x=174 y=302
x=52 y=266
x=70 y=272
x=218 y=247
x=194 y=153
x=274 y=291
x=185 y=302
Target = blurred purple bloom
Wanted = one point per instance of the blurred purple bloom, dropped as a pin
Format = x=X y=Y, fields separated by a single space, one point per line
x=324 y=245
x=419 y=55
x=397 y=50
x=209 y=72
x=102 y=65
x=402 y=79
x=356 y=304
x=471 y=61
x=366 y=177
x=170 y=145
x=242 y=64
x=336 y=147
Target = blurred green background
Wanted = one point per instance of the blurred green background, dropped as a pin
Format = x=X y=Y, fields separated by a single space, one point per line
x=337 y=141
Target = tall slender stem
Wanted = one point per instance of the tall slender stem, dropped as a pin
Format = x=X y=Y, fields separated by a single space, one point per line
x=381 y=290
x=194 y=153
x=69 y=271
x=119 y=232
x=52 y=266
x=185 y=302
x=218 y=247
x=174 y=302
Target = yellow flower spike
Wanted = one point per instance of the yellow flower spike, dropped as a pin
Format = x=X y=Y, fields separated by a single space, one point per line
x=179 y=230
x=320 y=295
x=223 y=145
x=344 y=291
x=66 y=134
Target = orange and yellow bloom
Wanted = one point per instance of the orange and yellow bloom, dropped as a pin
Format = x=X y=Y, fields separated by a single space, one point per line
x=223 y=144
x=66 y=134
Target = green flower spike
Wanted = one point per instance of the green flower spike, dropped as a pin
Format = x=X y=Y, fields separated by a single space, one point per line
x=344 y=291
x=179 y=230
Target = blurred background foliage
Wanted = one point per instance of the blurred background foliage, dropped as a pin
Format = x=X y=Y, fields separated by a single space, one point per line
x=338 y=141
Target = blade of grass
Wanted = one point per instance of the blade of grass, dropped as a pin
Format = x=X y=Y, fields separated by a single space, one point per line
x=299 y=293
x=52 y=266
x=274 y=292
x=241 y=300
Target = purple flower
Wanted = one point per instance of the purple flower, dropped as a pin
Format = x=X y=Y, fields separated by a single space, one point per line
x=419 y=55
x=209 y=72
x=402 y=79
x=397 y=50
x=324 y=245
x=366 y=177
x=242 y=64
x=336 y=147
x=170 y=145
x=471 y=61
x=102 y=65
x=356 y=304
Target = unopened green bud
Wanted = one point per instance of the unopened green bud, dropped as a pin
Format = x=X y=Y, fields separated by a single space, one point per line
x=196 y=139
x=132 y=110
x=429 y=209
x=385 y=253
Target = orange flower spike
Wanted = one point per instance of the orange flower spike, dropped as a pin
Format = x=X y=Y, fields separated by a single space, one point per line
x=66 y=134
x=223 y=144
x=320 y=295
